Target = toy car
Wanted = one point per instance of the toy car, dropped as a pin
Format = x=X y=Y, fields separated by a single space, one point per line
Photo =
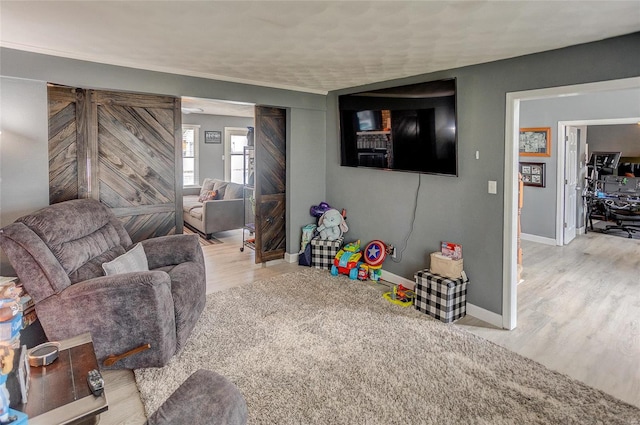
x=347 y=260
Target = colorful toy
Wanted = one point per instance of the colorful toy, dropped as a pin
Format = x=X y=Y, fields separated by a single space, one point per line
x=332 y=225
x=375 y=253
x=317 y=210
x=363 y=271
x=400 y=295
x=375 y=273
x=347 y=260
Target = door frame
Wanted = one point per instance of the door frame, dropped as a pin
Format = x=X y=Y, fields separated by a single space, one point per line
x=562 y=126
x=510 y=222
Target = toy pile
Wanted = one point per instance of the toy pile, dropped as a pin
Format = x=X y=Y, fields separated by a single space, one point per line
x=348 y=260
x=325 y=236
x=10 y=326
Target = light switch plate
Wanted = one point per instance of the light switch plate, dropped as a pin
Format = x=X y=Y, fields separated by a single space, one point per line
x=493 y=187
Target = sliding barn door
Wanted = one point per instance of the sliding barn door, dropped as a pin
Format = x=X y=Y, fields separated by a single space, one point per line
x=126 y=154
x=270 y=146
x=67 y=177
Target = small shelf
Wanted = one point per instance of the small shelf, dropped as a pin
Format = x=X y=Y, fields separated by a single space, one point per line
x=249 y=188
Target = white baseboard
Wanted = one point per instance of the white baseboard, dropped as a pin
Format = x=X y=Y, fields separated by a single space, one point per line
x=291 y=258
x=484 y=315
x=395 y=279
x=539 y=239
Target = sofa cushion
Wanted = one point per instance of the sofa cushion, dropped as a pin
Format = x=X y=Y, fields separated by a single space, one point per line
x=196 y=212
x=190 y=202
x=233 y=191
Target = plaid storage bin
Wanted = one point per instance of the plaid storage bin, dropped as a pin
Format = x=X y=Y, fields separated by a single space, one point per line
x=440 y=297
x=323 y=252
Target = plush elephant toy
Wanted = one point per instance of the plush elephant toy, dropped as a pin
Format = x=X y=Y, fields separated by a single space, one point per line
x=331 y=225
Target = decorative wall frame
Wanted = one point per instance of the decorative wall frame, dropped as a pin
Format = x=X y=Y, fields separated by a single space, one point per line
x=533 y=173
x=213 y=136
x=535 y=141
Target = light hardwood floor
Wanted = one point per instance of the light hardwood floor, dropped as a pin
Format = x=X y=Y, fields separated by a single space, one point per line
x=578 y=313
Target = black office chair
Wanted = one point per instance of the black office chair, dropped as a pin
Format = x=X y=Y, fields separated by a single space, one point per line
x=623 y=213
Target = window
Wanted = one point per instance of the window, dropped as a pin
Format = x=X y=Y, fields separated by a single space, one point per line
x=235 y=139
x=190 y=155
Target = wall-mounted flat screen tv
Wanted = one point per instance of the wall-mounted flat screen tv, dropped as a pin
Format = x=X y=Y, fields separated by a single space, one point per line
x=407 y=128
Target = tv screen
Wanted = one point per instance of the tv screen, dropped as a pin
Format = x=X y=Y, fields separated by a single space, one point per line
x=407 y=128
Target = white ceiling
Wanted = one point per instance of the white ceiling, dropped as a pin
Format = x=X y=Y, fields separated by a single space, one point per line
x=309 y=46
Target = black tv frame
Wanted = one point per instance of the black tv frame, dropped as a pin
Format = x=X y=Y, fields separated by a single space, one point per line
x=428 y=110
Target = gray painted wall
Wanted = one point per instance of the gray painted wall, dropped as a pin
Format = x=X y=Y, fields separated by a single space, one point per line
x=210 y=161
x=380 y=203
x=622 y=137
x=306 y=162
x=24 y=157
x=540 y=204
x=27 y=190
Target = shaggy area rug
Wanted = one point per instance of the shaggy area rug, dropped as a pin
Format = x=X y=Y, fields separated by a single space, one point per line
x=310 y=348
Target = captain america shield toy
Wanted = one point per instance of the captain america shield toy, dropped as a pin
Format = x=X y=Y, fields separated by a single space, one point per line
x=375 y=253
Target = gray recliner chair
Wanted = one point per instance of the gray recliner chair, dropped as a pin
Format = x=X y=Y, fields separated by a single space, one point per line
x=58 y=252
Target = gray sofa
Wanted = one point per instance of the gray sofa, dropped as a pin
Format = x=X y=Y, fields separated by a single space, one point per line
x=223 y=213
x=58 y=253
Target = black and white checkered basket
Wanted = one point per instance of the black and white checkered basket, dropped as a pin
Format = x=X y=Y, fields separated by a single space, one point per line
x=323 y=252
x=440 y=297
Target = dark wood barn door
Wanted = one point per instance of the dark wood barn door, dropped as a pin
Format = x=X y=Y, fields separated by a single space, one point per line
x=270 y=142
x=126 y=153
x=65 y=139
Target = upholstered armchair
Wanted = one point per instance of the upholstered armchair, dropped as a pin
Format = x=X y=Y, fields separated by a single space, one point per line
x=58 y=252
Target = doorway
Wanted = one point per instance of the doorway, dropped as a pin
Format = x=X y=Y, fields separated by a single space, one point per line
x=512 y=125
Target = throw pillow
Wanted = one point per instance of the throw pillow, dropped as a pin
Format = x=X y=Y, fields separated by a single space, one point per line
x=135 y=260
x=233 y=191
x=207 y=185
x=220 y=186
x=208 y=196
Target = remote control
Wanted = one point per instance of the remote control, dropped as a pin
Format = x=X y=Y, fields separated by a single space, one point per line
x=96 y=383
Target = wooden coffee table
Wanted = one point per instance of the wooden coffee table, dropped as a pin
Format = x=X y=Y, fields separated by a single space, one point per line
x=59 y=393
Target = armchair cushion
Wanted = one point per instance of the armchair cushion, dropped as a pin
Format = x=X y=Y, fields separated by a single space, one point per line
x=134 y=260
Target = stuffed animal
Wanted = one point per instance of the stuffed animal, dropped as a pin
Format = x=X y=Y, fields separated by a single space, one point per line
x=332 y=225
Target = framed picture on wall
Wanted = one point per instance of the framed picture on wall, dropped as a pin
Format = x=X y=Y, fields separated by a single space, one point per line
x=535 y=141
x=213 y=136
x=532 y=173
